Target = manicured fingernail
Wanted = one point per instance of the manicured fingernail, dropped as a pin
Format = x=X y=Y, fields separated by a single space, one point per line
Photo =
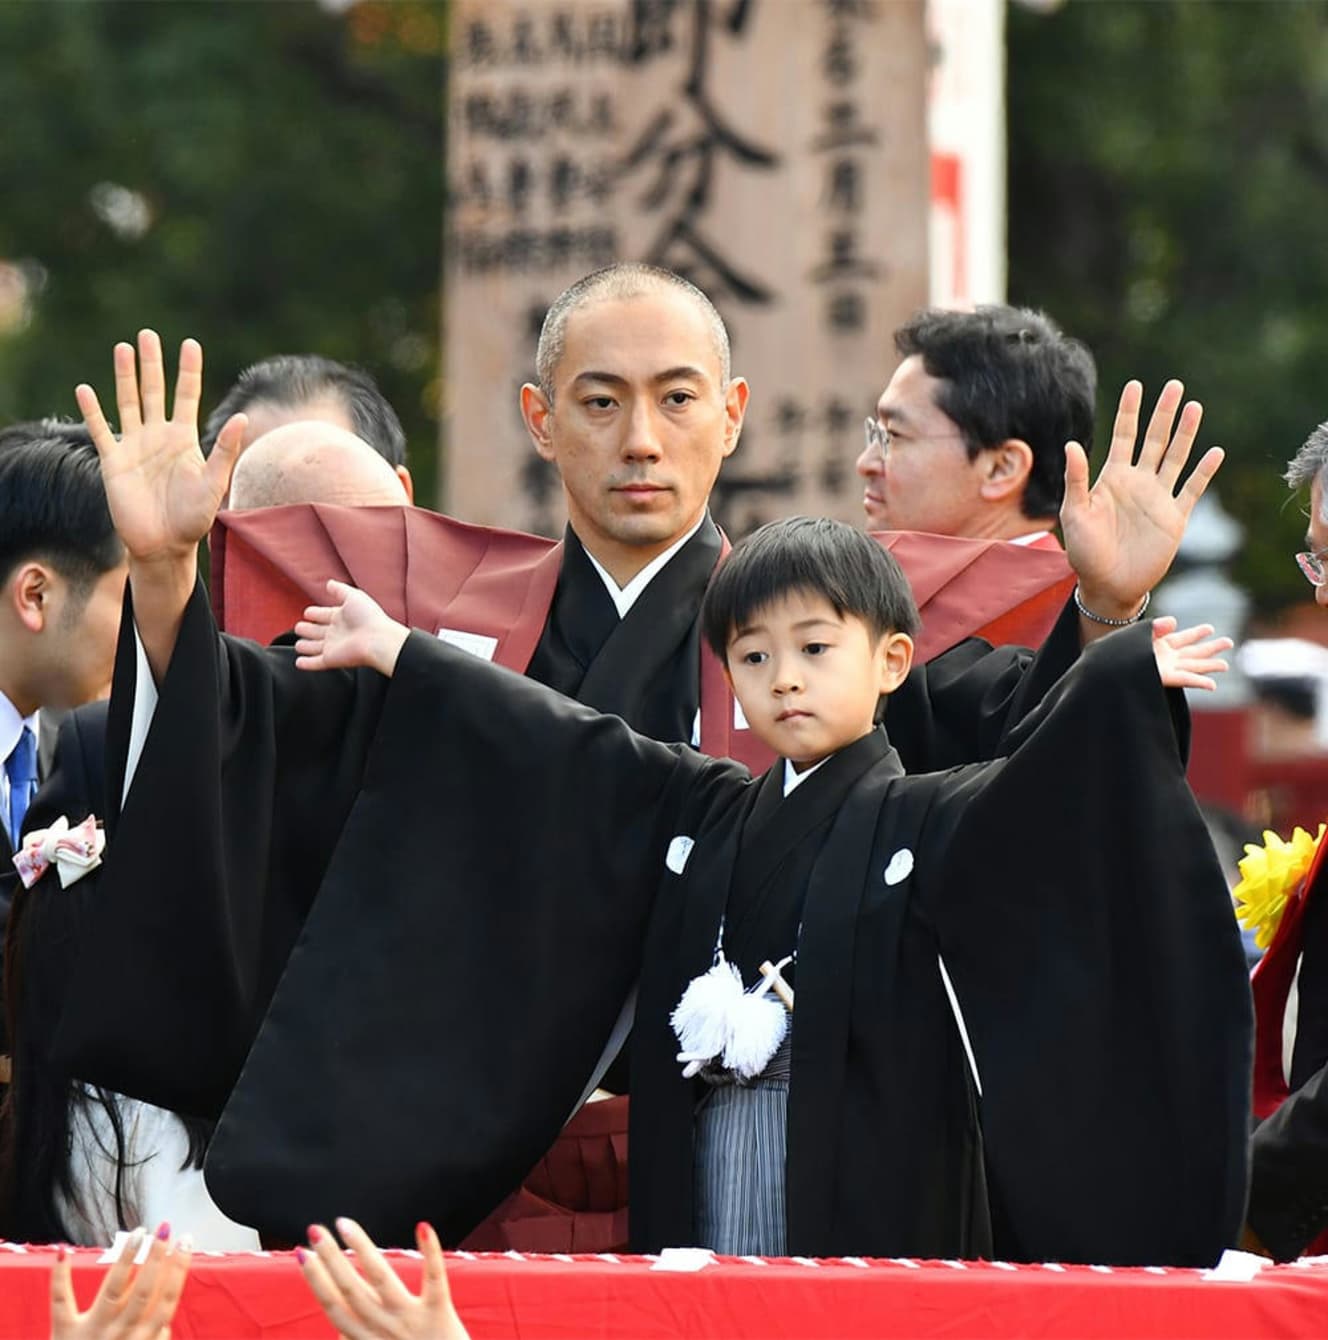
x=421 y=1231
x=344 y=1225
x=315 y=1233
x=185 y=1242
x=62 y=1254
x=163 y=1231
x=301 y=1255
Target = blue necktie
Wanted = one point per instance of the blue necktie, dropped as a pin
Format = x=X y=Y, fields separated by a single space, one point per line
x=21 y=769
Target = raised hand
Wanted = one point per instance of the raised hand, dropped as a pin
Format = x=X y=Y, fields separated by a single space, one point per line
x=352 y=631
x=377 y=1305
x=163 y=494
x=1122 y=535
x=1188 y=658
x=133 y=1302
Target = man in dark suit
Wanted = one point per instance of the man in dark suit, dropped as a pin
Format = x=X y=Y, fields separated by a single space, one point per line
x=62 y=574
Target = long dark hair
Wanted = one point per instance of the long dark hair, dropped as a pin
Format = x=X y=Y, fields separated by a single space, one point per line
x=37 y=1116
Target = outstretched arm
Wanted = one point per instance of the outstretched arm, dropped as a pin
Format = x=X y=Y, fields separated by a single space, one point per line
x=162 y=493
x=352 y=631
x=1121 y=536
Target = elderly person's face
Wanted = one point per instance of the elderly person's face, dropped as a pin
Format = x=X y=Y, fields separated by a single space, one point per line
x=1313 y=560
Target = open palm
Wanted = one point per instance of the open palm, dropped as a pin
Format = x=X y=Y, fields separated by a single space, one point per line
x=1122 y=535
x=163 y=494
x=352 y=631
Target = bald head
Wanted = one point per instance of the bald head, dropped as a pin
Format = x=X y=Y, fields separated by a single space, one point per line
x=314 y=462
x=616 y=283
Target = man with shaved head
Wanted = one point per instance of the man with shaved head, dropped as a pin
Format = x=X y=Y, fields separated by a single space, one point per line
x=313 y=462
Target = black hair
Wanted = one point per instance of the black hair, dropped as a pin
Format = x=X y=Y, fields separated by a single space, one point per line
x=291 y=380
x=53 y=504
x=1010 y=372
x=815 y=555
x=37 y=1176
x=1295 y=694
x=69 y=431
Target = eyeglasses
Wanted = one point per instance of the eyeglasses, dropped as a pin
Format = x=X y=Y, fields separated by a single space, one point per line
x=879 y=436
x=1311 y=564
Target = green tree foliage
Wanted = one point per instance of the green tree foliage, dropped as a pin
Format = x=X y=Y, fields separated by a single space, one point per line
x=266 y=177
x=1169 y=204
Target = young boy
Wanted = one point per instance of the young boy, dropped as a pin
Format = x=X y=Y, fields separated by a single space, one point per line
x=1019 y=1022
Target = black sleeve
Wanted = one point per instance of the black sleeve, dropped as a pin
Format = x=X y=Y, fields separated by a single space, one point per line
x=249 y=770
x=961 y=706
x=494 y=879
x=1289 y=1171
x=1096 y=959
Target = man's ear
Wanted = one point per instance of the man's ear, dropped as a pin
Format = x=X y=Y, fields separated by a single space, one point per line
x=895 y=659
x=537 y=411
x=735 y=410
x=407 y=483
x=1005 y=470
x=28 y=592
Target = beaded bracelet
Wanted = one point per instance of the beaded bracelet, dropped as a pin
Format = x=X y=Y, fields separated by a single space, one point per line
x=1102 y=619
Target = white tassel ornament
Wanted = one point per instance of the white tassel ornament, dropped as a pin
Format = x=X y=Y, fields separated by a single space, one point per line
x=757 y=1026
x=717 y=1019
x=700 y=1019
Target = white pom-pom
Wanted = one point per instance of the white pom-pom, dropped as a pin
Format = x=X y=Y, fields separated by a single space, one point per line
x=700 y=1018
x=757 y=1025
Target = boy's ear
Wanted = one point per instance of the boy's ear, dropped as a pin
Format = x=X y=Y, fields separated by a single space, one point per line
x=895 y=659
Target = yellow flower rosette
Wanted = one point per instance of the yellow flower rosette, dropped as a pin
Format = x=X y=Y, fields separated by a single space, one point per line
x=1268 y=876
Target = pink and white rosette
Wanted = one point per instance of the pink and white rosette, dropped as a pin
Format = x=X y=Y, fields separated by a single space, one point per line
x=73 y=851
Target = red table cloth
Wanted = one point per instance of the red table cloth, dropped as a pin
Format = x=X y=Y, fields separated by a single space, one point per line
x=237 y=1296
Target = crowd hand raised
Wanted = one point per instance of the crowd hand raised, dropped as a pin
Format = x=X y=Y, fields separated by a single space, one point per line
x=351 y=631
x=376 y=1305
x=163 y=494
x=133 y=1303
x=1190 y=657
x=1122 y=535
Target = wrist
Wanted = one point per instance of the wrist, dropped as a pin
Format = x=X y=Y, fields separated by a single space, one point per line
x=166 y=569
x=1101 y=607
x=387 y=647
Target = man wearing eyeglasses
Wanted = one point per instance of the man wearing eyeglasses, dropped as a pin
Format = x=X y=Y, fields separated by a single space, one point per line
x=969 y=436
x=1289 y=1150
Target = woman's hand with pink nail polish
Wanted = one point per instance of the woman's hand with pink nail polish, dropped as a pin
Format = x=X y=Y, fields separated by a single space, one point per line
x=375 y=1304
x=133 y=1302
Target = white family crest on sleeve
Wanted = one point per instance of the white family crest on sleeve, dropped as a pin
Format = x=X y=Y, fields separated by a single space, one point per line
x=900 y=866
x=679 y=850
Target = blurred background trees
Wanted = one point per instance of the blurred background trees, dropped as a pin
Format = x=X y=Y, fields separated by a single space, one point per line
x=269 y=177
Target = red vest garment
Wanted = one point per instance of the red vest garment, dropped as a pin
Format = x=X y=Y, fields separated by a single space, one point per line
x=431 y=571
